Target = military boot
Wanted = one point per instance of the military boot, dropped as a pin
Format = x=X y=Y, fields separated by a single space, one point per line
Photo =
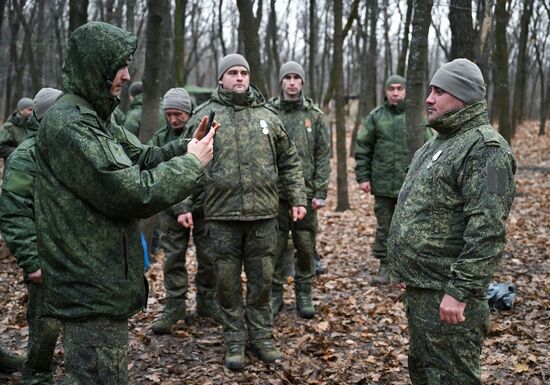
x=10 y=362
x=304 y=301
x=234 y=356
x=265 y=350
x=381 y=277
x=173 y=312
x=276 y=299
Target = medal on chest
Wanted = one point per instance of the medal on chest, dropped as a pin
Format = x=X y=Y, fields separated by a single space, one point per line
x=308 y=125
x=263 y=125
x=435 y=157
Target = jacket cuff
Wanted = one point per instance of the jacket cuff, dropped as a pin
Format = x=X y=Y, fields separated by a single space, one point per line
x=455 y=292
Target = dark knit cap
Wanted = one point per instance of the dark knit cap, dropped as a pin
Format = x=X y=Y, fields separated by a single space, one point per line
x=177 y=98
x=291 y=67
x=395 y=79
x=461 y=78
x=24 y=103
x=231 y=60
x=135 y=88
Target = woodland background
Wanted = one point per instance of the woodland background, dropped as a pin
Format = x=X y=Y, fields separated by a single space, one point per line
x=348 y=48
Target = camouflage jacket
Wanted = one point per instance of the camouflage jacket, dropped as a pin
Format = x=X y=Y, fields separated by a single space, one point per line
x=16 y=202
x=133 y=117
x=166 y=134
x=305 y=125
x=93 y=180
x=448 y=229
x=252 y=154
x=12 y=134
x=381 y=150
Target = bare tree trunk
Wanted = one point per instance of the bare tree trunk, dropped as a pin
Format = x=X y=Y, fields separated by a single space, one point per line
x=130 y=18
x=78 y=13
x=521 y=72
x=462 y=39
x=220 y=28
x=500 y=70
x=388 y=69
x=402 y=61
x=27 y=41
x=539 y=44
x=338 y=76
x=249 y=26
x=372 y=58
x=313 y=31
x=13 y=84
x=272 y=47
x=151 y=74
x=179 y=42
x=418 y=62
x=485 y=35
x=167 y=73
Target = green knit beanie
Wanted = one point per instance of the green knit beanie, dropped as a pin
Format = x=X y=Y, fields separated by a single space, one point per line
x=291 y=67
x=395 y=79
x=461 y=78
x=231 y=60
x=177 y=98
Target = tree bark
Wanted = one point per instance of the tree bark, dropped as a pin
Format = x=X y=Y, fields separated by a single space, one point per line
x=418 y=62
x=313 y=31
x=78 y=13
x=179 y=42
x=151 y=73
x=402 y=61
x=342 y=203
x=521 y=72
x=462 y=30
x=500 y=71
x=249 y=25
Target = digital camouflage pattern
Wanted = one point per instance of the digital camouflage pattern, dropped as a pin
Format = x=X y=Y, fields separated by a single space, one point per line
x=305 y=125
x=98 y=348
x=441 y=353
x=447 y=237
x=383 y=211
x=133 y=119
x=94 y=180
x=174 y=241
x=119 y=116
x=253 y=138
x=249 y=245
x=12 y=133
x=252 y=155
x=19 y=231
x=381 y=150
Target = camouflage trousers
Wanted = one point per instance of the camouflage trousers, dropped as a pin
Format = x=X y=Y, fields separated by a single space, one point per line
x=441 y=353
x=383 y=210
x=43 y=333
x=174 y=241
x=96 y=352
x=250 y=244
x=303 y=238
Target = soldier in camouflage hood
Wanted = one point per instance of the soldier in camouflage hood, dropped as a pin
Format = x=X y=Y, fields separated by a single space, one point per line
x=14 y=130
x=381 y=162
x=305 y=125
x=93 y=180
x=18 y=227
x=448 y=230
x=252 y=154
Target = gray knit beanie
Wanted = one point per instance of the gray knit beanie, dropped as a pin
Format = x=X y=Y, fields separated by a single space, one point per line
x=462 y=79
x=231 y=60
x=135 y=88
x=24 y=103
x=177 y=98
x=43 y=100
x=395 y=79
x=291 y=67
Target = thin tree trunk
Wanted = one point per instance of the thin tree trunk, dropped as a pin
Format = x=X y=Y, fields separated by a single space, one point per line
x=130 y=17
x=521 y=72
x=462 y=30
x=500 y=70
x=342 y=203
x=372 y=57
x=179 y=42
x=78 y=13
x=313 y=31
x=402 y=62
x=418 y=62
x=388 y=69
x=220 y=28
x=249 y=25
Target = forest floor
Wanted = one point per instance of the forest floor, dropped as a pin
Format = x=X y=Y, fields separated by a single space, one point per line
x=360 y=333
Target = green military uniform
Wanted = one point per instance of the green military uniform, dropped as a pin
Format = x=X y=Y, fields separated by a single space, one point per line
x=381 y=159
x=94 y=179
x=447 y=236
x=305 y=125
x=17 y=223
x=12 y=134
x=252 y=154
x=174 y=241
x=133 y=119
x=119 y=116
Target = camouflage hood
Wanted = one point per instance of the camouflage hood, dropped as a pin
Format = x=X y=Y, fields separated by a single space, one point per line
x=95 y=52
x=32 y=126
x=472 y=115
x=251 y=98
x=18 y=120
